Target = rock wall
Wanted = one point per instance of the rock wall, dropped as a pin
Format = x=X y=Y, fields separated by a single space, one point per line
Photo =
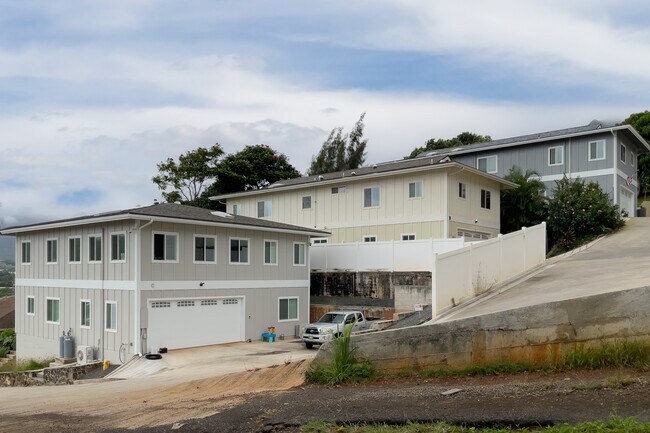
x=51 y=376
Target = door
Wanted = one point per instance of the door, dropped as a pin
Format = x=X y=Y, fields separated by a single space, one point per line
x=180 y=323
x=627 y=202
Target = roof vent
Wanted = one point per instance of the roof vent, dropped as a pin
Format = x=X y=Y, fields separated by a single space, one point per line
x=374 y=166
x=354 y=173
x=320 y=177
x=221 y=214
x=155 y=201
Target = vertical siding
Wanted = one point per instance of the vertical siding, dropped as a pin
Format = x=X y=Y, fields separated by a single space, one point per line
x=465 y=212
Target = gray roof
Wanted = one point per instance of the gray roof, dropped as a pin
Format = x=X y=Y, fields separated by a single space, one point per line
x=593 y=126
x=174 y=211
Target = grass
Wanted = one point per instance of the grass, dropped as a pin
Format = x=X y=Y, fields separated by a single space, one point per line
x=32 y=364
x=612 y=425
x=7 y=291
x=345 y=367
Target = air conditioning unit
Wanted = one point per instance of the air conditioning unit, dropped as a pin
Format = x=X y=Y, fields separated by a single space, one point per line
x=85 y=354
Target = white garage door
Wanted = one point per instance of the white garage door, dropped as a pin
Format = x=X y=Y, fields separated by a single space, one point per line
x=179 y=323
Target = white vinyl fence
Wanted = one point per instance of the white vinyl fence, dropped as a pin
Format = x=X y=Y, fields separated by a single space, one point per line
x=385 y=256
x=469 y=271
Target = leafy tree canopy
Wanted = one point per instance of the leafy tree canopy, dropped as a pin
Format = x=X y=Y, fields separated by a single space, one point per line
x=525 y=205
x=462 y=139
x=641 y=122
x=186 y=179
x=341 y=152
x=579 y=212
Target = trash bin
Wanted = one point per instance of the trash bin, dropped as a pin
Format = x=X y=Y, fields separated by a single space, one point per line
x=640 y=212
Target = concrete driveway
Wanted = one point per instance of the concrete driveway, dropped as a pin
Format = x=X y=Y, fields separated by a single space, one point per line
x=616 y=262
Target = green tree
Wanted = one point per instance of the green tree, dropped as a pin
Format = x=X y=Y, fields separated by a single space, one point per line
x=462 y=139
x=641 y=122
x=579 y=212
x=525 y=205
x=253 y=167
x=341 y=152
x=187 y=179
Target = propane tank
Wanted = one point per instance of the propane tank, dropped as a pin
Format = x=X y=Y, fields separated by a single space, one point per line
x=68 y=345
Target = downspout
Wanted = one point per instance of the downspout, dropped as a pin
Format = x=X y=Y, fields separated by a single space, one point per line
x=447 y=216
x=138 y=270
x=103 y=325
x=615 y=157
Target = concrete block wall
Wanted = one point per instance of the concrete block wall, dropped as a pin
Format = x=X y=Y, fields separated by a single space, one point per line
x=534 y=333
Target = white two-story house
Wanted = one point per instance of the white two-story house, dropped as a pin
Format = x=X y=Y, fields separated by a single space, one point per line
x=166 y=275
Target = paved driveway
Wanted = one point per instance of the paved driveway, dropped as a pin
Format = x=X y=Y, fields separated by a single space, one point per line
x=617 y=262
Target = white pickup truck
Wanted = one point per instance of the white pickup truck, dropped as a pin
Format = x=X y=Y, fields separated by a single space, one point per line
x=332 y=324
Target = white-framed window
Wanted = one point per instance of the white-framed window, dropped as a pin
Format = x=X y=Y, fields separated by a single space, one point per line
x=31 y=305
x=94 y=248
x=85 y=313
x=319 y=241
x=370 y=238
x=306 y=202
x=299 y=254
x=487 y=164
x=338 y=189
x=287 y=309
x=415 y=189
x=165 y=247
x=26 y=253
x=408 y=236
x=239 y=251
x=52 y=255
x=111 y=316
x=270 y=252
x=371 y=197
x=118 y=247
x=74 y=249
x=623 y=153
x=486 y=199
x=632 y=159
x=205 y=249
x=462 y=190
x=596 y=150
x=264 y=209
x=236 y=209
x=53 y=312
x=555 y=155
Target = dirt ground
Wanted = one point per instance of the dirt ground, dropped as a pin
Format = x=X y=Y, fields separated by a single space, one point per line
x=280 y=402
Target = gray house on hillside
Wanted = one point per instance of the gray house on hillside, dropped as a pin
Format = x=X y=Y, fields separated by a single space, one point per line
x=167 y=275
x=606 y=154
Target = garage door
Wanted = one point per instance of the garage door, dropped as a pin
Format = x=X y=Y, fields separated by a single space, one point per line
x=179 y=323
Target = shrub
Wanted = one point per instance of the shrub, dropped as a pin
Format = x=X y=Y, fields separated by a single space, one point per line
x=579 y=212
x=8 y=339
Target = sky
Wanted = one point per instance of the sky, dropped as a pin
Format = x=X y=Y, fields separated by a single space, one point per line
x=93 y=94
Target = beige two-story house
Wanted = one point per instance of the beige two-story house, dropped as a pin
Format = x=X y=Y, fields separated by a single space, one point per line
x=166 y=275
x=422 y=198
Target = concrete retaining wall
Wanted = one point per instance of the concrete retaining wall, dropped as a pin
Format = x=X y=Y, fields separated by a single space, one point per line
x=528 y=334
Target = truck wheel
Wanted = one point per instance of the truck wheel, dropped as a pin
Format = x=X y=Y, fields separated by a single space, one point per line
x=309 y=345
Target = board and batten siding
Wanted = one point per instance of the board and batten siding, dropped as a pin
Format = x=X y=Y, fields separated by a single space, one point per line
x=63 y=269
x=39 y=339
x=467 y=213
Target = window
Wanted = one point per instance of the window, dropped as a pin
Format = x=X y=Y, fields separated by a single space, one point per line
x=270 y=252
x=52 y=311
x=338 y=190
x=415 y=189
x=118 y=247
x=85 y=313
x=287 y=309
x=299 y=255
x=306 y=202
x=487 y=164
x=556 y=155
x=596 y=150
x=74 y=249
x=371 y=238
x=205 y=249
x=26 y=252
x=623 y=153
x=239 y=251
x=165 y=247
x=485 y=199
x=94 y=248
x=319 y=241
x=111 y=316
x=462 y=190
x=408 y=237
x=236 y=209
x=264 y=209
x=632 y=159
x=31 y=305
x=52 y=250
x=371 y=197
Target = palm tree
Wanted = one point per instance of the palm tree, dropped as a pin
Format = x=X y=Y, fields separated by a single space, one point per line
x=525 y=205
